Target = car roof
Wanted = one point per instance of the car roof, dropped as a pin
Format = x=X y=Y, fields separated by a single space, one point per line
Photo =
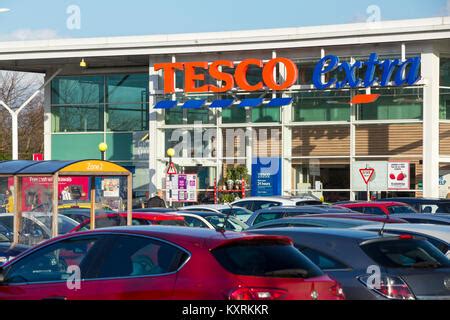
x=300 y=209
x=373 y=204
x=189 y=237
x=319 y=218
x=354 y=234
x=418 y=199
x=207 y=206
x=201 y=213
x=440 y=231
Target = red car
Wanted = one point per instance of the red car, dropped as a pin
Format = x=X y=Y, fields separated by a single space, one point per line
x=165 y=263
x=368 y=217
x=139 y=219
x=379 y=207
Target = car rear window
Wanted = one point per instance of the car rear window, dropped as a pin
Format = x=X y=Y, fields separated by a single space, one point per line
x=410 y=253
x=266 y=259
x=269 y=216
x=400 y=209
x=176 y=223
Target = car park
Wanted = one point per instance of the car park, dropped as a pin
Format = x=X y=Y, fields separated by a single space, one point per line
x=285 y=211
x=313 y=222
x=212 y=220
x=239 y=212
x=257 y=203
x=138 y=219
x=80 y=214
x=379 y=207
x=426 y=205
x=409 y=267
x=438 y=235
x=163 y=263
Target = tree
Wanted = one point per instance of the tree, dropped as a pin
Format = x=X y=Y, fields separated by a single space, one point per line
x=15 y=88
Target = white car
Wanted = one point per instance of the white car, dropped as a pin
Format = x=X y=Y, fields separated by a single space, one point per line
x=212 y=220
x=438 y=235
x=240 y=213
x=36 y=226
x=257 y=203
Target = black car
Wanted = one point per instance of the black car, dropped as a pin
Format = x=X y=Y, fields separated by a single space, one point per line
x=370 y=266
x=314 y=222
x=274 y=213
x=425 y=205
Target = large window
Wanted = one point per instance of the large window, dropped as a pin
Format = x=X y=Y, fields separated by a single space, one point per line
x=394 y=104
x=321 y=106
x=81 y=104
x=445 y=90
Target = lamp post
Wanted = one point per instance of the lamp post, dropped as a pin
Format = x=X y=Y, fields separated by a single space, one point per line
x=170 y=154
x=103 y=147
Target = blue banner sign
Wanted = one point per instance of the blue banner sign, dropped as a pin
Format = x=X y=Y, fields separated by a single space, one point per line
x=266 y=177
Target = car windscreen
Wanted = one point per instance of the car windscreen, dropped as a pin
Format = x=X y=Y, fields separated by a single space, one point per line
x=175 y=223
x=408 y=253
x=400 y=209
x=266 y=259
x=232 y=224
x=308 y=203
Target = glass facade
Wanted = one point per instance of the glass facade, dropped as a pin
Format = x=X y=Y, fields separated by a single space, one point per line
x=394 y=104
x=87 y=103
x=445 y=89
x=321 y=106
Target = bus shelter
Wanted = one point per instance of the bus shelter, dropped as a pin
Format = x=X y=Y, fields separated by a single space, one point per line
x=54 y=180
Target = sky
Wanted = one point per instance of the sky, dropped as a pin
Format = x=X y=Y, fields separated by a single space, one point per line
x=48 y=19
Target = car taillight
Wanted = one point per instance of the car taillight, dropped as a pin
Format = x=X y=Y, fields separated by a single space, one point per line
x=257 y=294
x=390 y=287
x=336 y=290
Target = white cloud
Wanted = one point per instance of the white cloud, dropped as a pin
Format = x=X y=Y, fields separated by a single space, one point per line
x=30 y=34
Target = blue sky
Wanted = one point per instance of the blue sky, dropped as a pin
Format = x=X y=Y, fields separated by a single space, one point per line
x=39 y=19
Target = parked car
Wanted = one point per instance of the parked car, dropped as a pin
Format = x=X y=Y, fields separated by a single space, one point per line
x=314 y=222
x=36 y=227
x=410 y=267
x=163 y=263
x=80 y=215
x=379 y=207
x=154 y=210
x=274 y=213
x=438 y=235
x=425 y=205
x=212 y=220
x=257 y=203
x=8 y=250
x=139 y=219
x=426 y=218
x=240 y=213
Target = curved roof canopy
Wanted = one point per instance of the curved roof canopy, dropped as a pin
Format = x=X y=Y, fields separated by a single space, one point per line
x=84 y=167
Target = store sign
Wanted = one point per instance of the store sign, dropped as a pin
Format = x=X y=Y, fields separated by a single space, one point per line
x=398 y=175
x=393 y=72
x=266 y=177
x=183 y=186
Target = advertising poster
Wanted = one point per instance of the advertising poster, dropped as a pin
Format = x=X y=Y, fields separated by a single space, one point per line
x=398 y=175
x=111 y=188
x=183 y=186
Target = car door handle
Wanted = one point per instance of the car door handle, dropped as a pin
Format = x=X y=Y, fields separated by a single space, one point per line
x=55 y=299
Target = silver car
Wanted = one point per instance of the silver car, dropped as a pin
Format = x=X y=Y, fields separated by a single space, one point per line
x=257 y=203
x=240 y=213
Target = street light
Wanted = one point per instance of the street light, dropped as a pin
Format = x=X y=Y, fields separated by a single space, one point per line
x=170 y=154
x=103 y=147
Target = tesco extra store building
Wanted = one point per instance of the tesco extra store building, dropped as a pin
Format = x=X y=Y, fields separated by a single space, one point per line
x=310 y=103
